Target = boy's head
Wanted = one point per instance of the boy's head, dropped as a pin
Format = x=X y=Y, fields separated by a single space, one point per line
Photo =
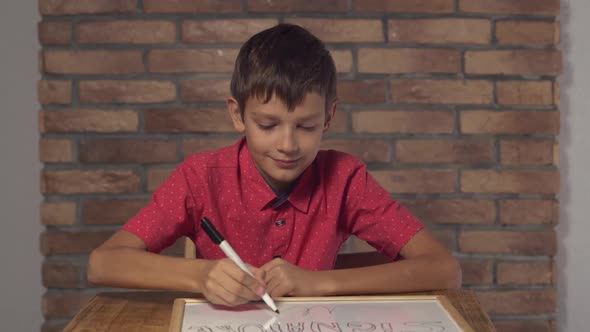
x=283 y=98
x=286 y=61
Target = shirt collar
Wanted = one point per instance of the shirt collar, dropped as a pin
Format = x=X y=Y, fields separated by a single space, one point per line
x=260 y=195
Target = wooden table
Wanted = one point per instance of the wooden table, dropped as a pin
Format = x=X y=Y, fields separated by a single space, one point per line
x=150 y=311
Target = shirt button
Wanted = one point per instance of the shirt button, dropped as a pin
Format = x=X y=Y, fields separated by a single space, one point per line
x=280 y=223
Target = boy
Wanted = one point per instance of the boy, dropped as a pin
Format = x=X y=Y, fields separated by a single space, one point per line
x=283 y=205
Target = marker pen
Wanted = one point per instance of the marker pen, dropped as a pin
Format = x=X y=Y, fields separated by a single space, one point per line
x=231 y=254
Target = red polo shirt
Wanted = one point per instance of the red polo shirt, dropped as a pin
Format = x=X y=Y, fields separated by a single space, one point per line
x=334 y=198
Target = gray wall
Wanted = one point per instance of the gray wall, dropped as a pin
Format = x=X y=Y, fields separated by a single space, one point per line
x=20 y=260
x=573 y=270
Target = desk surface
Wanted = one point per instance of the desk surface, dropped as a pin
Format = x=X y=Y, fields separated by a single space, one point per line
x=150 y=311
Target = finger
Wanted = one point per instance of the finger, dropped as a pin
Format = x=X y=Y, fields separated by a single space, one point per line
x=273 y=280
x=260 y=275
x=274 y=273
x=228 y=296
x=213 y=293
x=242 y=284
x=272 y=263
x=272 y=286
x=215 y=299
x=280 y=290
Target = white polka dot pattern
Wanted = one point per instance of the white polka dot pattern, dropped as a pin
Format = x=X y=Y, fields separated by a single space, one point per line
x=334 y=198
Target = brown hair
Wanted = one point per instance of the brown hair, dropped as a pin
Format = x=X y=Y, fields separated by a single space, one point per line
x=287 y=61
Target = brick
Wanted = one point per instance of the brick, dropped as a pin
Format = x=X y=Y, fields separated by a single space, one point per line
x=223 y=31
x=110 y=211
x=78 y=242
x=126 y=32
x=63 y=305
x=539 y=153
x=339 y=123
x=205 y=90
x=92 y=62
x=111 y=91
x=88 y=121
x=56 y=150
x=58 y=213
x=54 y=32
x=195 y=60
x=177 y=120
x=369 y=150
x=476 y=272
x=440 y=31
x=527 y=33
x=524 y=325
x=113 y=151
x=418 y=60
x=441 y=91
x=419 y=122
x=525 y=92
x=445 y=236
x=192 y=6
x=452 y=211
x=157 y=176
x=342 y=30
x=524 y=273
x=91 y=181
x=190 y=146
x=529 y=211
x=518 y=302
x=510 y=122
x=400 y=6
x=510 y=181
x=54 y=92
x=513 y=62
x=524 y=7
x=361 y=91
x=61 y=275
x=445 y=151
x=286 y=6
x=506 y=242
x=417 y=180
x=73 y=7
x=342 y=60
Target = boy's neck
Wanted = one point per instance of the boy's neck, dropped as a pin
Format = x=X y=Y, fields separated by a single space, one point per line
x=279 y=191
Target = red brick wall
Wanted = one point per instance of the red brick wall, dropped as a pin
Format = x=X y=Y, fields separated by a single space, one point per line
x=452 y=104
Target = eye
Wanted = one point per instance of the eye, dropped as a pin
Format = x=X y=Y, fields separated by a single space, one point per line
x=265 y=127
x=308 y=128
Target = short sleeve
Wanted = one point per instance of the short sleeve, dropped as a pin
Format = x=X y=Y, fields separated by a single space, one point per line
x=373 y=216
x=168 y=216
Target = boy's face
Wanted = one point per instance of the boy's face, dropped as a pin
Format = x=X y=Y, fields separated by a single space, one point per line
x=282 y=143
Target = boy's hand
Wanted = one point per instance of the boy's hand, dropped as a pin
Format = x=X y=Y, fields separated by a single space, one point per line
x=223 y=282
x=285 y=279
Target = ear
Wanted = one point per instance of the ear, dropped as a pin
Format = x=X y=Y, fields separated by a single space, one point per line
x=330 y=115
x=236 y=116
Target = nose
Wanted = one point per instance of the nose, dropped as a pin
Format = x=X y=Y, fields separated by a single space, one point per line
x=288 y=143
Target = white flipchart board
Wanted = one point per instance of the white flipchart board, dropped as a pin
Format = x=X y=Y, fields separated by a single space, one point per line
x=327 y=314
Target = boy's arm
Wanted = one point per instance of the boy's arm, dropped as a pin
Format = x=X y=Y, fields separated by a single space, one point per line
x=122 y=261
x=427 y=265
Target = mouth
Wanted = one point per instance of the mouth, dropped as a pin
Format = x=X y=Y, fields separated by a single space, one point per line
x=286 y=163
